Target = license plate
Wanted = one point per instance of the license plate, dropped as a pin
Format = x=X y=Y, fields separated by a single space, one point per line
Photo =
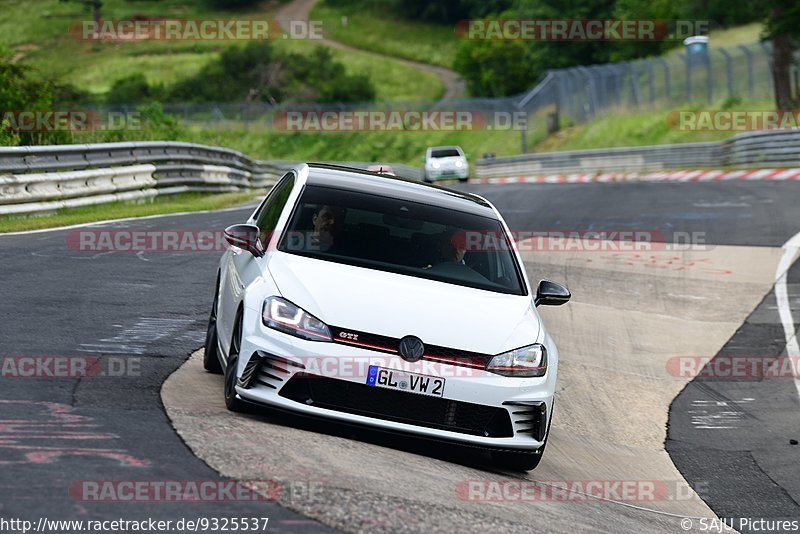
x=404 y=381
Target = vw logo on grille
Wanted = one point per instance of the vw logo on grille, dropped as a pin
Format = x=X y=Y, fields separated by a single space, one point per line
x=411 y=349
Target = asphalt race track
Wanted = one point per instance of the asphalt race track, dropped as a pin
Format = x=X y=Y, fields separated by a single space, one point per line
x=623 y=413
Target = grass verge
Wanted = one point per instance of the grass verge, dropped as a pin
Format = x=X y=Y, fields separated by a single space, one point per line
x=381 y=32
x=638 y=129
x=380 y=147
x=123 y=210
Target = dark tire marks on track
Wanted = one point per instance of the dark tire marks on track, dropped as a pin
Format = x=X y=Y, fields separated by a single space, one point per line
x=57 y=301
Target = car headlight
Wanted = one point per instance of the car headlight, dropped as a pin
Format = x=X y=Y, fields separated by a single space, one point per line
x=284 y=316
x=435 y=164
x=526 y=361
x=459 y=163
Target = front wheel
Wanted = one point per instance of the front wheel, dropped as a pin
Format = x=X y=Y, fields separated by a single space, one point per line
x=211 y=354
x=232 y=402
x=464 y=180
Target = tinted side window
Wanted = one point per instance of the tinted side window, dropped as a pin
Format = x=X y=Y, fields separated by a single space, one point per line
x=271 y=211
x=260 y=211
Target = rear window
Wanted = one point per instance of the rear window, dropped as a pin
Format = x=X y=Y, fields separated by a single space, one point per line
x=445 y=153
x=409 y=238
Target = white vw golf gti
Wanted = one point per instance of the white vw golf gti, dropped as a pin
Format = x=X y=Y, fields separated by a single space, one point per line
x=379 y=301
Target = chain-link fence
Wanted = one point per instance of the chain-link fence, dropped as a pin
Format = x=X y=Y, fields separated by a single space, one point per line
x=679 y=78
x=573 y=95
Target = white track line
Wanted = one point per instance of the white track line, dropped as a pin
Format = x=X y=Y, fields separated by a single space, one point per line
x=142 y=218
x=790 y=251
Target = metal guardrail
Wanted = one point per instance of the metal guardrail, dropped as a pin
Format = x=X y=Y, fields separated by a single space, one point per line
x=768 y=149
x=46 y=178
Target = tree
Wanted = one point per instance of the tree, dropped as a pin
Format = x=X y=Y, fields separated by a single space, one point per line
x=783 y=27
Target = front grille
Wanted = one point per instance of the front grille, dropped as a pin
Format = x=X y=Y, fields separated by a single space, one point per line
x=388 y=344
x=530 y=417
x=398 y=406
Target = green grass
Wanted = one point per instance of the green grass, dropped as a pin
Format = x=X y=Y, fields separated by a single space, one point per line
x=386 y=147
x=37 y=34
x=394 y=82
x=99 y=74
x=122 y=210
x=636 y=129
x=388 y=34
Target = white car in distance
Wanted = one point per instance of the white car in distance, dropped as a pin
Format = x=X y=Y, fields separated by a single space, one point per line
x=445 y=163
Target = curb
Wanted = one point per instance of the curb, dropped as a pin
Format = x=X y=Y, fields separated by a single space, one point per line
x=670 y=176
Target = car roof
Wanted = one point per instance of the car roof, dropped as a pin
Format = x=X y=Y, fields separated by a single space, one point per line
x=349 y=178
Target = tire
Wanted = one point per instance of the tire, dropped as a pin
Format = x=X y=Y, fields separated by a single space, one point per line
x=464 y=180
x=231 y=402
x=211 y=361
x=522 y=461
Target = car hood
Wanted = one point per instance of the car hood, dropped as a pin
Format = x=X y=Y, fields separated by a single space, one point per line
x=397 y=305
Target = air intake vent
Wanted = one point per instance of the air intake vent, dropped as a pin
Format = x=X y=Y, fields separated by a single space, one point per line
x=266 y=370
x=529 y=417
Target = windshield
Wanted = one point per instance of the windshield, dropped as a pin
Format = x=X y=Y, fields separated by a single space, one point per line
x=403 y=237
x=445 y=153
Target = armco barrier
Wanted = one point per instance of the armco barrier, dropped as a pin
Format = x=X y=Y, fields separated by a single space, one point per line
x=45 y=178
x=768 y=149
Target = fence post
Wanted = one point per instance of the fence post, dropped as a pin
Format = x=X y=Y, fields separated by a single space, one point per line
x=667 y=79
x=688 y=62
x=770 y=66
x=634 y=82
x=591 y=87
x=750 y=80
x=728 y=70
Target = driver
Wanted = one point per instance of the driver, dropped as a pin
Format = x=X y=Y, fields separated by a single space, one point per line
x=327 y=223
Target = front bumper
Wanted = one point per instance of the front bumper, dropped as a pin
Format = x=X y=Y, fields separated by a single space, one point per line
x=447 y=173
x=330 y=380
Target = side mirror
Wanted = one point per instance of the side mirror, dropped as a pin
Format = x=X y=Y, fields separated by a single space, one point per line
x=551 y=294
x=245 y=237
